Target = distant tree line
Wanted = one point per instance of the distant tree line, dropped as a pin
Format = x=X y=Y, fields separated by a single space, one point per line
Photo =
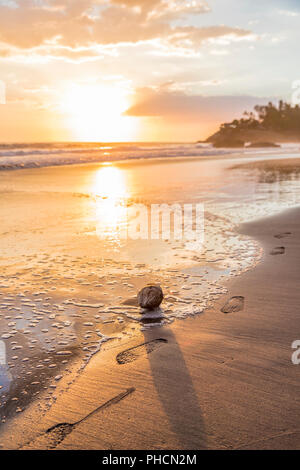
x=283 y=117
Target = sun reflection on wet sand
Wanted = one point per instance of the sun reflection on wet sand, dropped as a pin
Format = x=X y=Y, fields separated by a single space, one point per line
x=111 y=194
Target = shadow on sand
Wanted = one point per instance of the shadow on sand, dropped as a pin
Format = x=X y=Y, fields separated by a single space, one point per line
x=175 y=390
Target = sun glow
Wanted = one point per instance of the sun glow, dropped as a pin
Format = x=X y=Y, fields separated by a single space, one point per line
x=110 y=183
x=111 y=193
x=95 y=113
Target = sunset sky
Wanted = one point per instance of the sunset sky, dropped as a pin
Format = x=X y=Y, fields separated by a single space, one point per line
x=143 y=70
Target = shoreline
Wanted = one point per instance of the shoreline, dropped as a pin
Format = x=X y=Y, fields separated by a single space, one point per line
x=14 y=163
x=220 y=381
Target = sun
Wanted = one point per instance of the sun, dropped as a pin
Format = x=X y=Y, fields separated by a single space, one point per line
x=95 y=113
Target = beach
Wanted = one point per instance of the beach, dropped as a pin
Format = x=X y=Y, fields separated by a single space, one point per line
x=149 y=229
x=215 y=373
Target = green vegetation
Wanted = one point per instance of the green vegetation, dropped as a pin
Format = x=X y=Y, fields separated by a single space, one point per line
x=254 y=126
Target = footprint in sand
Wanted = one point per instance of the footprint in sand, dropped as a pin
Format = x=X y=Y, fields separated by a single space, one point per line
x=53 y=436
x=235 y=304
x=278 y=250
x=132 y=354
x=283 y=235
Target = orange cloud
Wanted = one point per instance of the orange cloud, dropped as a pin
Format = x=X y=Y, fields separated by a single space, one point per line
x=163 y=102
x=85 y=23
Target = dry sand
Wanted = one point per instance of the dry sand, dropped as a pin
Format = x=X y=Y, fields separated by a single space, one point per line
x=217 y=381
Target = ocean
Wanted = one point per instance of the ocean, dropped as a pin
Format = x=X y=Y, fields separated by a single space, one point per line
x=32 y=155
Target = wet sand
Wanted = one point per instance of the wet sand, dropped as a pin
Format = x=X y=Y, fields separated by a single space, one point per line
x=63 y=284
x=289 y=164
x=216 y=381
x=72 y=343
